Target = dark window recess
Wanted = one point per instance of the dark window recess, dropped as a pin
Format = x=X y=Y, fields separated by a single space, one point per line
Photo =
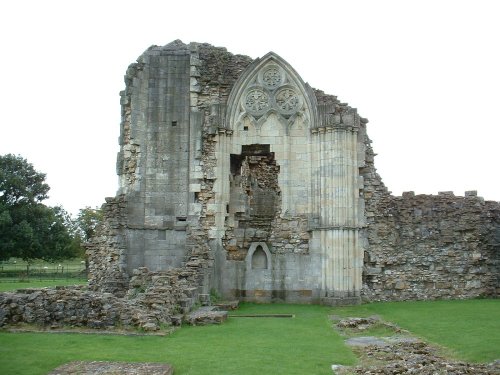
x=182 y=218
x=174 y=123
x=236 y=161
x=245 y=128
x=255 y=150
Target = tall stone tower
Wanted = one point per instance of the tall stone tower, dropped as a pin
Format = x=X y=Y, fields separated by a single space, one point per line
x=241 y=163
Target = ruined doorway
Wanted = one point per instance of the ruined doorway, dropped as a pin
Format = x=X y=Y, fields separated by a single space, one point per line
x=255 y=198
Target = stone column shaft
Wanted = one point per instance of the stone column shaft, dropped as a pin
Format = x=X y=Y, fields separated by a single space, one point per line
x=336 y=195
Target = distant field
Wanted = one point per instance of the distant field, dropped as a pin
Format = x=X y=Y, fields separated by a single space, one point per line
x=19 y=270
x=7 y=286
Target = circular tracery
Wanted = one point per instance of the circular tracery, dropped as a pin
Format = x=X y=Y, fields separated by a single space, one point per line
x=287 y=101
x=257 y=101
x=272 y=77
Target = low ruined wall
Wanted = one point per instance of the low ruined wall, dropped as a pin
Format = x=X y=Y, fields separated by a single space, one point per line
x=68 y=306
x=429 y=247
x=154 y=299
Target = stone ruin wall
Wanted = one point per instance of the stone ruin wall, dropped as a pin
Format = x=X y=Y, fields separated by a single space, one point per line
x=106 y=251
x=432 y=247
x=420 y=247
x=217 y=70
x=145 y=299
x=416 y=247
x=153 y=300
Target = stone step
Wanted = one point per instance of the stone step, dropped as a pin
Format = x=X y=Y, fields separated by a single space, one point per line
x=205 y=315
x=227 y=305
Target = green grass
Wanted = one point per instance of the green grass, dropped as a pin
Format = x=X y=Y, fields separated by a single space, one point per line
x=14 y=285
x=305 y=344
x=469 y=328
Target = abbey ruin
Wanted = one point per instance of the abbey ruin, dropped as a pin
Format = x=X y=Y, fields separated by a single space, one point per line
x=239 y=180
x=265 y=189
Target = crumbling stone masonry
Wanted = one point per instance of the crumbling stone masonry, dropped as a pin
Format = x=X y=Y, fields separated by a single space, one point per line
x=265 y=189
x=239 y=179
x=155 y=299
x=428 y=247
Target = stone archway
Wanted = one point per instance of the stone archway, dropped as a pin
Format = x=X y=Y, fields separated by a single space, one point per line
x=258 y=257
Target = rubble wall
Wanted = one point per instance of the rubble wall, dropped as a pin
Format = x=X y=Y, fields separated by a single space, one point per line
x=154 y=299
x=106 y=252
x=69 y=306
x=432 y=247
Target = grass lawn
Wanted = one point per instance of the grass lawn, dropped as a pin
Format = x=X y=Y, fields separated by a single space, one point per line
x=305 y=344
x=469 y=328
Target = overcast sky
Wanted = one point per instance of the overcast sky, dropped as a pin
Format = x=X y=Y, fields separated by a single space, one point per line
x=425 y=73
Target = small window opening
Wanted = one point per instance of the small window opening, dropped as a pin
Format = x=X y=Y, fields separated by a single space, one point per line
x=174 y=123
x=181 y=219
x=245 y=128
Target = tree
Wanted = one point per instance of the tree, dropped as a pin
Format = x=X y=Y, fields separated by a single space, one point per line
x=87 y=221
x=20 y=182
x=83 y=227
x=28 y=228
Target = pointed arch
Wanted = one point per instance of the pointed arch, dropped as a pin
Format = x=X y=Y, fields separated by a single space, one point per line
x=270 y=84
x=258 y=257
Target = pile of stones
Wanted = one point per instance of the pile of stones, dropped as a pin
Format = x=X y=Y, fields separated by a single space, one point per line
x=399 y=354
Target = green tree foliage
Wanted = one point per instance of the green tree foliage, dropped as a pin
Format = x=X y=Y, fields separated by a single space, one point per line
x=28 y=228
x=87 y=221
x=83 y=227
x=20 y=182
